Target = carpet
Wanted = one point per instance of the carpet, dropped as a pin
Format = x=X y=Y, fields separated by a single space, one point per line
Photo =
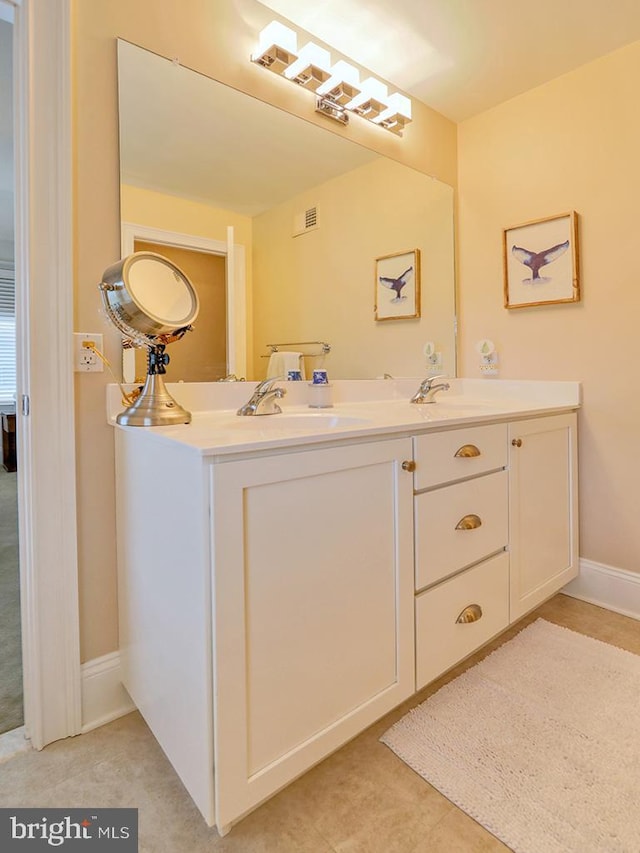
x=539 y=743
x=11 y=713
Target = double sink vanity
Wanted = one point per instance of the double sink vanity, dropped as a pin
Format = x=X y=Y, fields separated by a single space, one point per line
x=286 y=580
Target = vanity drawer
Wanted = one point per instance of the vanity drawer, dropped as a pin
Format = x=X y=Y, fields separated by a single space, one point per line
x=441 y=641
x=478 y=449
x=458 y=525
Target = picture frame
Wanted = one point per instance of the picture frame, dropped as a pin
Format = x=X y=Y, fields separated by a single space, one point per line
x=540 y=260
x=397 y=286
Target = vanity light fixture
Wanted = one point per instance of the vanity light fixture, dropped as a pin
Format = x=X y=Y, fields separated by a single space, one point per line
x=397 y=114
x=372 y=99
x=337 y=85
x=332 y=110
x=277 y=47
x=311 y=69
x=343 y=85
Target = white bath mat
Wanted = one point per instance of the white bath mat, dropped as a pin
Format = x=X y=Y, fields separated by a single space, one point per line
x=540 y=743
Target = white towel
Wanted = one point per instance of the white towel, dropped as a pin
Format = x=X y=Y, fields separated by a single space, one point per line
x=281 y=362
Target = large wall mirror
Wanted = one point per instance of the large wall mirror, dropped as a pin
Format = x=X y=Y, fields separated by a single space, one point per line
x=280 y=224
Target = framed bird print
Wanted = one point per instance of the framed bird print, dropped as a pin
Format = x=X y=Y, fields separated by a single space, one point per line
x=398 y=286
x=541 y=262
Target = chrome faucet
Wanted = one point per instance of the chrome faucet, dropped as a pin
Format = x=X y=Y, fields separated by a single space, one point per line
x=263 y=399
x=427 y=391
x=231 y=377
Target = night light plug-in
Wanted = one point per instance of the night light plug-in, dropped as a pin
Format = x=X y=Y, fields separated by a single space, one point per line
x=486 y=349
x=433 y=357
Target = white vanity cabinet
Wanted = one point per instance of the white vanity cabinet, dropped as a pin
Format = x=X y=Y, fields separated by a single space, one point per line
x=461 y=521
x=313 y=622
x=461 y=513
x=278 y=596
x=280 y=619
x=496 y=531
x=543 y=509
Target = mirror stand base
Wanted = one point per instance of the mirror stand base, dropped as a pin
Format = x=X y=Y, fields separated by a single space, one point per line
x=154 y=407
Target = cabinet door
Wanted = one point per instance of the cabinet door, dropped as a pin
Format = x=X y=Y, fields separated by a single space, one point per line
x=543 y=509
x=313 y=635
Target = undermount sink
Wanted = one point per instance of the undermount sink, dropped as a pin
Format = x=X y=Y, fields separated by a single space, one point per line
x=302 y=420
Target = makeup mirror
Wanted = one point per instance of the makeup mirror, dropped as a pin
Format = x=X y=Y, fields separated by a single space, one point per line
x=153 y=303
x=298 y=216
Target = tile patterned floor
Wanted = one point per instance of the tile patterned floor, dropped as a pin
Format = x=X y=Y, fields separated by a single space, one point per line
x=362 y=799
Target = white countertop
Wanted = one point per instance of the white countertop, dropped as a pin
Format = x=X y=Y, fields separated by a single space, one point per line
x=362 y=409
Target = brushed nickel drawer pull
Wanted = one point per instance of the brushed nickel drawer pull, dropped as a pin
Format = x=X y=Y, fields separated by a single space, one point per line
x=470 y=614
x=467 y=451
x=516 y=442
x=469 y=522
x=408 y=465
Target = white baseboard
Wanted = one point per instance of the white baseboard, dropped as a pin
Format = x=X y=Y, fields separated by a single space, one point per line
x=103 y=697
x=606 y=586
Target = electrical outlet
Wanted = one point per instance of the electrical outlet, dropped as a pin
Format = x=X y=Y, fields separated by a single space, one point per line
x=85 y=359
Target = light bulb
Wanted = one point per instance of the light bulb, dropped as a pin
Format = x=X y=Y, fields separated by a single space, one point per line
x=372 y=99
x=277 y=47
x=397 y=114
x=343 y=85
x=312 y=67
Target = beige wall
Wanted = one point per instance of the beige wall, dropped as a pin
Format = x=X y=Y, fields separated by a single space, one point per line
x=573 y=144
x=325 y=278
x=214 y=37
x=170 y=213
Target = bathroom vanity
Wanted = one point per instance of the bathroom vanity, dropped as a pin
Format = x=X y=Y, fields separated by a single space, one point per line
x=284 y=581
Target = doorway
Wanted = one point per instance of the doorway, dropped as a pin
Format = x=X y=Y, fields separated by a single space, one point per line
x=202 y=354
x=233 y=255
x=44 y=408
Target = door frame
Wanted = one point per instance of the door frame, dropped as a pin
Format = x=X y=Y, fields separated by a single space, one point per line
x=45 y=409
x=235 y=256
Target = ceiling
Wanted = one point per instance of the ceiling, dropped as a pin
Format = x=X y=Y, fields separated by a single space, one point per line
x=462 y=57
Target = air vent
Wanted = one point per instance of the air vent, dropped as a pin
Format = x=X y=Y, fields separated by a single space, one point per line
x=305 y=221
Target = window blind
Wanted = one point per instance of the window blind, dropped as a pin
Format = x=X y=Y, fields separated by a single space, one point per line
x=7 y=335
